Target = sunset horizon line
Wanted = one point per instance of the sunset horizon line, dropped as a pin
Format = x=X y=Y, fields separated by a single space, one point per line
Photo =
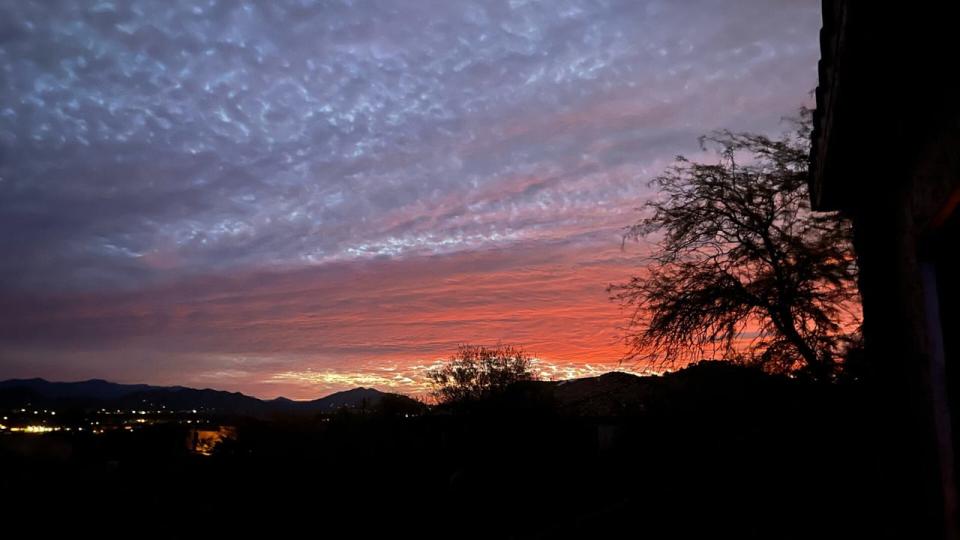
x=554 y=375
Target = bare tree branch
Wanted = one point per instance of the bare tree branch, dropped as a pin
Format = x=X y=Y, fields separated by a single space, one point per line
x=743 y=267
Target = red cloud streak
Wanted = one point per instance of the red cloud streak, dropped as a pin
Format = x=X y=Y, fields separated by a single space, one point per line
x=310 y=331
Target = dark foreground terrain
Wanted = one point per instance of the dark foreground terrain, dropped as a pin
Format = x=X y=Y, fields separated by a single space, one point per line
x=712 y=451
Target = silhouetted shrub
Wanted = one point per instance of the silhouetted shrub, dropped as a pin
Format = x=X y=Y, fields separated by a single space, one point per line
x=476 y=372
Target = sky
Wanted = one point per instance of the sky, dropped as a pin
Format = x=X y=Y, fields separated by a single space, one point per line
x=294 y=198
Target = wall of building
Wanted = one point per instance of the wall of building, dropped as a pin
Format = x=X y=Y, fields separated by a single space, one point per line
x=900 y=247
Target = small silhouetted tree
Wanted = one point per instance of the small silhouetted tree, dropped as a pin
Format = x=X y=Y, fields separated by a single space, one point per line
x=742 y=268
x=476 y=372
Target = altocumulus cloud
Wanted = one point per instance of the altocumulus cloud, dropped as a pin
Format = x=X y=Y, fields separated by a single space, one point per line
x=153 y=152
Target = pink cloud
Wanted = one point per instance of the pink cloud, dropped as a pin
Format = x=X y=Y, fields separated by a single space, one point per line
x=320 y=325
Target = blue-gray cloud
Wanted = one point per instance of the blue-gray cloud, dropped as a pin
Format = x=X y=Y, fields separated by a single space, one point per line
x=147 y=139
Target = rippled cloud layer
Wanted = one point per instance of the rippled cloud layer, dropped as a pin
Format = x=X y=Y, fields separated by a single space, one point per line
x=238 y=192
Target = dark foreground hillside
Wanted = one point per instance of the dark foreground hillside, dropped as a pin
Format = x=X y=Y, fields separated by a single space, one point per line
x=711 y=451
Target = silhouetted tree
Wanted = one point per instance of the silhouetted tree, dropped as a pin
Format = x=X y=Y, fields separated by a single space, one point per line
x=742 y=268
x=475 y=372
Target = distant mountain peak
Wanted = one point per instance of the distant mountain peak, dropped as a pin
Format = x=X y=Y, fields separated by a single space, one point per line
x=98 y=392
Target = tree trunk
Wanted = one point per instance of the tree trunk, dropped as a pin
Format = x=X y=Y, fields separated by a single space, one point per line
x=784 y=321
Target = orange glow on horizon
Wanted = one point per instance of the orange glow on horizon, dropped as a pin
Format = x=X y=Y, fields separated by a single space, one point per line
x=309 y=332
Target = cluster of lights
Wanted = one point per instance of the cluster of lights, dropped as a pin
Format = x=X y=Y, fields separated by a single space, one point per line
x=161 y=410
x=39 y=426
x=208 y=438
x=35 y=429
x=43 y=411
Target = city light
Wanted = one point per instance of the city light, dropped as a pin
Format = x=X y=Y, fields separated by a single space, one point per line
x=35 y=429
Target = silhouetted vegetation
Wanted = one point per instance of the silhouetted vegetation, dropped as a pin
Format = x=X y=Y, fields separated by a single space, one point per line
x=476 y=372
x=743 y=269
x=715 y=450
